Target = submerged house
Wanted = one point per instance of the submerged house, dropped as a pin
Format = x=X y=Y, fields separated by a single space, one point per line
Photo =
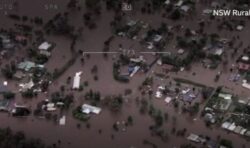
x=50 y=107
x=77 y=80
x=185 y=8
x=234 y=128
x=196 y=138
x=136 y=69
x=26 y=66
x=244 y=64
x=243 y=67
x=45 y=46
x=87 y=109
x=218 y=51
x=26 y=86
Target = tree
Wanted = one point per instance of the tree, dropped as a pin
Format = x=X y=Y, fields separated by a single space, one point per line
x=68 y=100
x=62 y=88
x=205 y=93
x=72 y=4
x=217 y=77
x=115 y=127
x=159 y=119
x=175 y=15
x=92 y=3
x=8 y=72
x=82 y=61
x=130 y=120
x=68 y=80
x=95 y=77
x=86 y=83
x=44 y=86
x=28 y=93
x=226 y=143
x=8 y=95
x=195 y=108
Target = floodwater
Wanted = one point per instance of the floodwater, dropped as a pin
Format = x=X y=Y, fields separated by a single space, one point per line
x=92 y=40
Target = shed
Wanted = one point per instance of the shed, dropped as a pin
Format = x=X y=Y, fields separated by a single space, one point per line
x=168 y=99
x=193 y=137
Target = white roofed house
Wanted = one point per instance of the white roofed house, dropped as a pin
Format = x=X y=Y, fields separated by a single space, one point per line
x=87 y=109
x=77 y=80
x=45 y=48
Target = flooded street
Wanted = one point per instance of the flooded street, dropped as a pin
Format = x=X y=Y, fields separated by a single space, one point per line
x=74 y=136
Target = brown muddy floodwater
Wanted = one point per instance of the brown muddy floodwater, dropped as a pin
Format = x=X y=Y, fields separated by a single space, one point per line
x=92 y=40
